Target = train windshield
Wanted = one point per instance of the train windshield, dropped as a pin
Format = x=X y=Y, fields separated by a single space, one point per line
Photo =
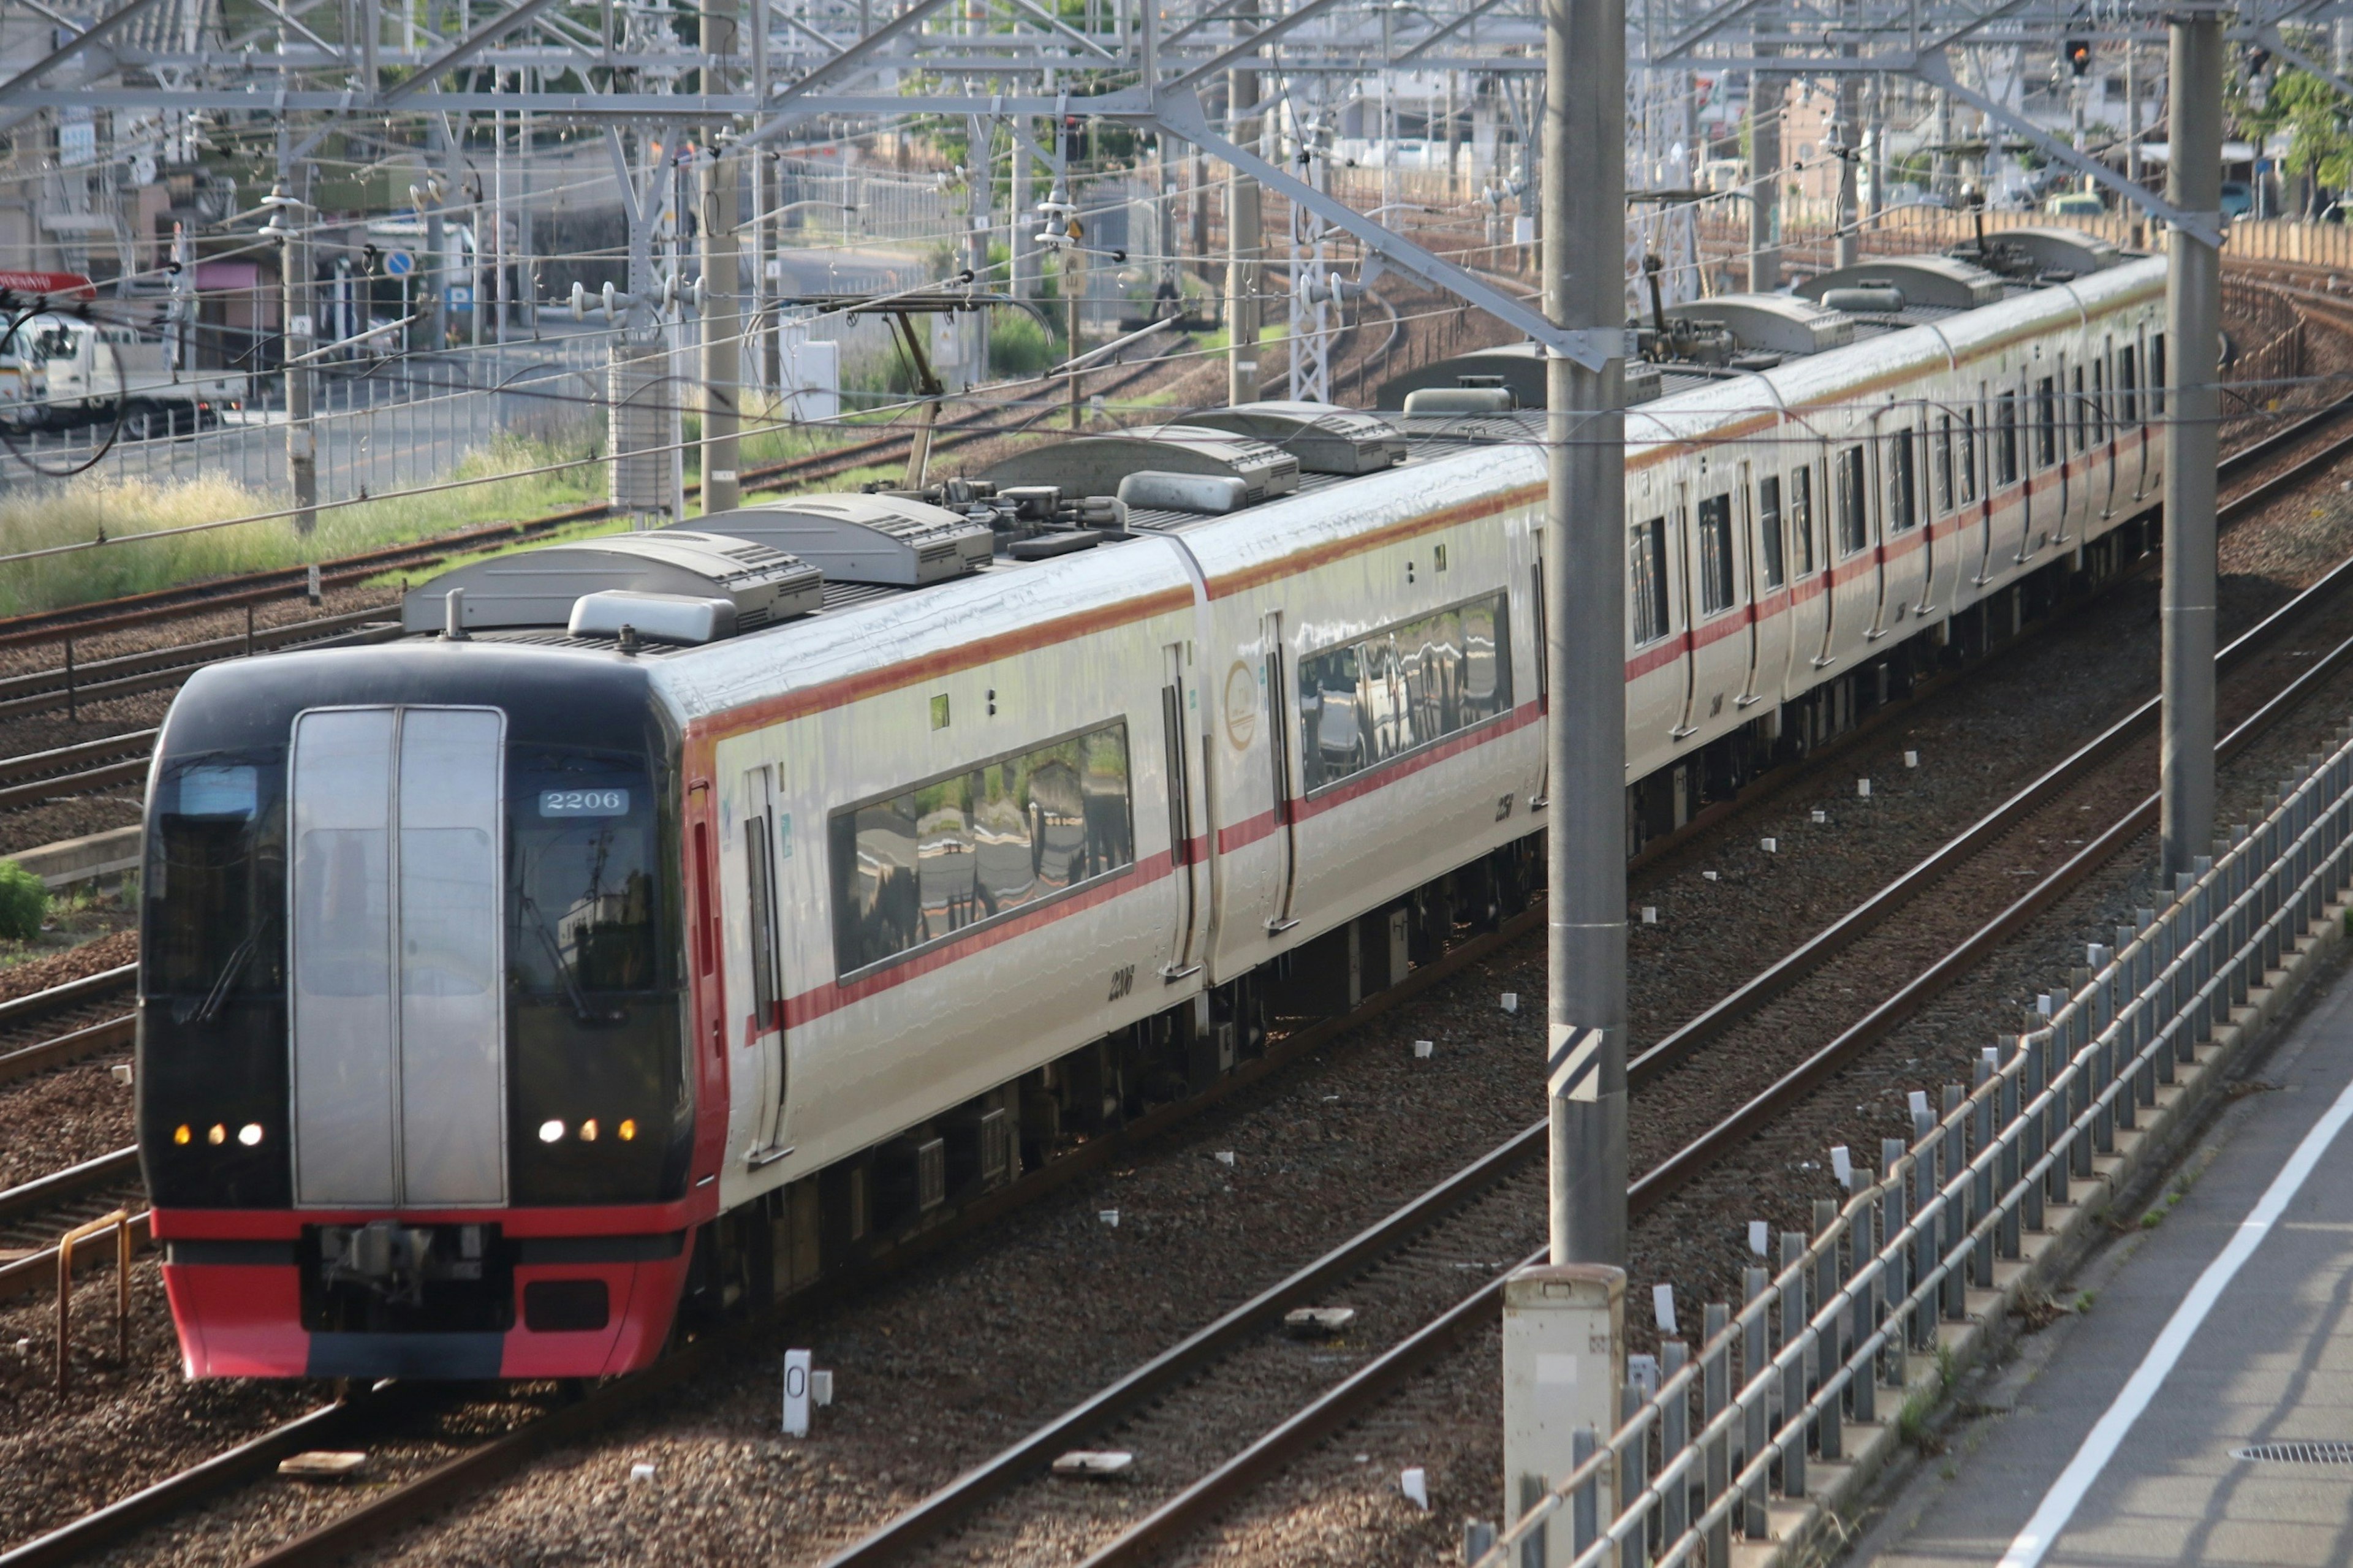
x=599 y=1104
x=583 y=861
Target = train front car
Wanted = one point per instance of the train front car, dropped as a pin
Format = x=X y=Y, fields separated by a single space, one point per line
x=412 y=1091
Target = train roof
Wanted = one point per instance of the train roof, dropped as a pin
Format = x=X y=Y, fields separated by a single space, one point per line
x=1411 y=466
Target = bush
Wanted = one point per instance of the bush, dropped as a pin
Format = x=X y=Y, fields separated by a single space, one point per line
x=24 y=902
x=1018 y=345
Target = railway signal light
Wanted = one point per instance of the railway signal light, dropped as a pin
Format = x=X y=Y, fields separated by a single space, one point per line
x=2079 y=55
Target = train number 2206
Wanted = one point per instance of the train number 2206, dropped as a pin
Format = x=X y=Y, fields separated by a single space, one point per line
x=1123 y=981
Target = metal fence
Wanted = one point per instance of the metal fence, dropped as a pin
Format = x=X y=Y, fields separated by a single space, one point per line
x=372 y=434
x=1821 y=1343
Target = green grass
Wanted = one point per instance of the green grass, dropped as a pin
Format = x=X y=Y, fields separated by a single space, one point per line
x=133 y=507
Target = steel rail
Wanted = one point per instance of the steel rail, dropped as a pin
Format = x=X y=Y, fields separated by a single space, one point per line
x=1350 y=1399
x=1345 y=1400
x=136 y=610
x=73 y=1181
x=467 y=1473
x=1859 y=921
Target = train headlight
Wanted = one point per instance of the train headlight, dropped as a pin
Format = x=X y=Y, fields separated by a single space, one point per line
x=249 y=1134
x=219 y=1135
x=588 y=1131
x=551 y=1131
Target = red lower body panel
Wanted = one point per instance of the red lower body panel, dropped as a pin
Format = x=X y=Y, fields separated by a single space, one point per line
x=586 y=1303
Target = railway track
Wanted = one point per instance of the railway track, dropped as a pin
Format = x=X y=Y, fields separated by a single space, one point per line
x=138 y=610
x=1464 y=1196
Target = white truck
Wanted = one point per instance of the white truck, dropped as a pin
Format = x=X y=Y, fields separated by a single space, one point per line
x=58 y=371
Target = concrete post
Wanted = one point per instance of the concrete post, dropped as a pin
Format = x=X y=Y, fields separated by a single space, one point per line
x=1242 y=239
x=723 y=325
x=1564 y=1362
x=1584 y=569
x=294 y=265
x=1764 y=181
x=431 y=328
x=2193 y=300
x=1849 y=247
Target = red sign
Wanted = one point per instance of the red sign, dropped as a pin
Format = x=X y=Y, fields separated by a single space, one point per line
x=72 y=283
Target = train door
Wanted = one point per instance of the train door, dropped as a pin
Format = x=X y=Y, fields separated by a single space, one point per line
x=1854 y=567
x=1810 y=602
x=2104 y=431
x=1764 y=588
x=398 y=1016
x=1177 y=732
x=1975 y=475
x=766 y=1064
x=2130 y=432
x=1281 y=715
x=1902 y=552
x=1679 y=526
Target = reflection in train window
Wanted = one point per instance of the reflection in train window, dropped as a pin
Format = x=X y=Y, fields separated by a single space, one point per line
x=2157 y=375
x=1768 y=528
x=1853 y=527
x=1968 y=463
x=2046 y=423
x=1903 y=484
x=1944 y=464
x=2005 y=443
x=1714 y=554
x=1646 y=561
x=1802 y=516
x=935 y=859
x=1379 y=697
x=2128 y=391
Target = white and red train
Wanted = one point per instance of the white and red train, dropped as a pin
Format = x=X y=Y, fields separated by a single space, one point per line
x=701 y=910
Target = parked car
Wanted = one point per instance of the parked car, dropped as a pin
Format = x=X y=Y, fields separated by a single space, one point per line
x=2238 y=199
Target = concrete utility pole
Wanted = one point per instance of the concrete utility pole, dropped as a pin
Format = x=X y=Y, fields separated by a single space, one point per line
x=1764 y=181
x=433 y=266
x=722 y=327
x=1585 y=567
x=2193 y=308
x=294 y=280
x=1242 y=230
x=1843 y=137
x=1573 y=1309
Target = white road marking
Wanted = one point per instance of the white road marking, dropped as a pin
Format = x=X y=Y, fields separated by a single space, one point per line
x=2059 y=1504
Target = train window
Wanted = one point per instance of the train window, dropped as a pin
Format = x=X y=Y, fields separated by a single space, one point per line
x=1768 y=528
x=1853 y=525
x=2128 y=393
x=2099 y=403
x=1646 y=562
x=1968 y=462
x=767 y=1003
x=2005 y=439
x=2046 y=422
x=214 y=883
x=1381 y=696
x=2157 y=374
x=1802 y=516
x=1944 y=464
x=1714 y=554
x=958 y=851
x=1902 y=485
x=2080 y=408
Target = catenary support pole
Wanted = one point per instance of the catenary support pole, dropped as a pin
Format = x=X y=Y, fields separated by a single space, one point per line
x=1584 y=569
x=1242 y=229
x=1764 y=181
x=723 y=327
x=2193 y=297
x=1845 y=135
x=294 y=265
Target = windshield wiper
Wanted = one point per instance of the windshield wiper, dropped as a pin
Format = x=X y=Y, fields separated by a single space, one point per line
x=580 y=1008
x=204 y=1012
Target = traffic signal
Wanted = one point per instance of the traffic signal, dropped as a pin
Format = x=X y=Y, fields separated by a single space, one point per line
x=2079 y=55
